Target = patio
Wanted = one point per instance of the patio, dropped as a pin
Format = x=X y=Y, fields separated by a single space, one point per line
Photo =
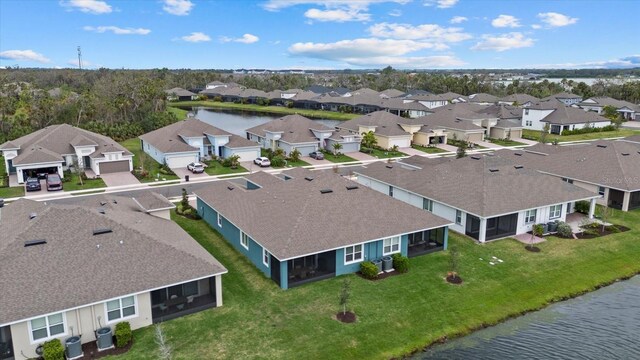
x=576 y=219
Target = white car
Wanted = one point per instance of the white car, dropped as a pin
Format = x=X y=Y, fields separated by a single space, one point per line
x=262 y=161
x=196 y=167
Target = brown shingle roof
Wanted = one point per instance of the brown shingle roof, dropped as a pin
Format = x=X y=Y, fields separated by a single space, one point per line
x=386 y=123
x=295 y=129
x=150 y=201
x=168 y=139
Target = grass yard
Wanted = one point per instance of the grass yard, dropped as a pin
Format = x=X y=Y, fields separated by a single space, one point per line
x=152 y=166
x=215 y=168
x=11 y=192
x=506 y=142
x=535 y=135
x=179 y=113
x=384 y=154
x=428 y=150
x=318 y=114
x=396 y=315
x=341 y=158
x=73 y=183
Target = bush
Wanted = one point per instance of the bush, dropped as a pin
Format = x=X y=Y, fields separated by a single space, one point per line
x=588 y=130
x=582 y=207
x=400 y=263
x=369 y=270
x=123 y=334
x=564 y=229
x=53 y=350
x=277 y=161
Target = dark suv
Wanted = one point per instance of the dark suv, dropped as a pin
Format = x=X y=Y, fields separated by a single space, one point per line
x=33 y=184
x=54 y=182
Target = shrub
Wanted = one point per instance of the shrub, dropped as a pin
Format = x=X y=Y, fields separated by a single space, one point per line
x=400 y=263
x=277 y=161
x=53 y=350
x=564 y=229
x=538 y=229
x=589 y=129
x=123 y=334
x=582 y=207
x=369 y=270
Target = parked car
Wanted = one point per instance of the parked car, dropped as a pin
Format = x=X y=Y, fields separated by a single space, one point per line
x=317 y=155
x=54 y=182
x=42 y=175
x=196 y=167
x=262 y=161
x=33 y=184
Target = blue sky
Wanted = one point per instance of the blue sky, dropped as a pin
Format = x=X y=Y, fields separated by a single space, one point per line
x=317 y=34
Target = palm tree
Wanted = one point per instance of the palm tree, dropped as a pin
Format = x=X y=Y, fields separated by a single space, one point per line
x=369 y=139
x=336 y=148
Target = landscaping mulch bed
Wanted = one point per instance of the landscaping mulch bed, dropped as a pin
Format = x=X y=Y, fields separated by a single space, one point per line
x=90 y=350
x=381 y=276
x=347 y=317
x=456 y=280
x=534 y=249
x=599 y=233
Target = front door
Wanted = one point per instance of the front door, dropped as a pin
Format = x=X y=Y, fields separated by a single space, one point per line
x=87 y=161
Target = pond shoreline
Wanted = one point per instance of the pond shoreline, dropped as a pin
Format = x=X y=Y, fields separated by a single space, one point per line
x=271 y=110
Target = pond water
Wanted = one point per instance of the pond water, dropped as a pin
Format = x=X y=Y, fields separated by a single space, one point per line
x=237 y=122
x=604 y=324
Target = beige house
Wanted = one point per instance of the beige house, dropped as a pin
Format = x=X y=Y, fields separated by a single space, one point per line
x=70 y=270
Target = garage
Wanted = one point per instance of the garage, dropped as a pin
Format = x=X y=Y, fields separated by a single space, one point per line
x=180 y=161
x=400 y=142
x=246 y=155
x=39 y=173
x=114 y=166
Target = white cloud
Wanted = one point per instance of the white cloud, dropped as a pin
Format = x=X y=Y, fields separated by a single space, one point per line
x=503 y=42
x=458 y=19
x=178 y=7
x=503 y=21
x=553 y=19
x=88 y=6
x=441 y=4
x=245 y=39
x=395 y=12
x=429 y=32
x=23 y=55
x=337 y=15
x=195 y=37
x=118 y=30
x=536 y=26
x=632 y=61
x=276 y=5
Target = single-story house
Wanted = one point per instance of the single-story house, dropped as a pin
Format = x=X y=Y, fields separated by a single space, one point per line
x=55 y=148
x=521 y=100
x=302 y=226
x=69 y=270
x=189 y=140
x=560 y=117
x=609 y=168
x=566 y=98
x=627 y=110
x=482 y=99
x=180 y=94
x=486 y=197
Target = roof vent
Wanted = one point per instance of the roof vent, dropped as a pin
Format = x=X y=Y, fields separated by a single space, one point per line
x=32 y=216
x=34 y=242
x=517 y=154
x=389 y=166
x=475 y=157
x=230 y=187
x=493 y=170
x=102 y=231
x=518 y=166
x=352 y=187
x=625 y=154
x=326 y=191
x=602 y=146
x=103 y=203
x=308 y=178
x=101 y=211
x=115 y=201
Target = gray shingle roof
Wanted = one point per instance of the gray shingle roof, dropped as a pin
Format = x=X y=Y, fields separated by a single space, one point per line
x=520 y=98
x=150 y=201
x=386 y=123
x=168 y=139
x=482 y=98
x=564 y=115
x=71 y=270
x=475 y=187
x=295 y=129
x=292 y=218
x=179 y=92
x=609 y=101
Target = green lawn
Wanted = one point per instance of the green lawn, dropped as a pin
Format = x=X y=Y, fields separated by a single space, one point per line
x=384 y=154
x=395 y=315
x=179 y=113
x=506 y=142
x=428 y=150
x=152 y=166
x=215 y=168
x=342 y=158
x=535 y=135
x=10 y=192
x=73 y=183
x=293 y=164
x=318 y=114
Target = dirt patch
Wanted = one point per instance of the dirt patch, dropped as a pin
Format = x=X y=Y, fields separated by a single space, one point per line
x=380 y=276
x=346 y=317
x=533 y=249
x=454 y=279
x=90 y=350
x=596 y=232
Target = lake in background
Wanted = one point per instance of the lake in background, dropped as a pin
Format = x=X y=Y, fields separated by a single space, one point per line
x=604 y=324
x=237 y=122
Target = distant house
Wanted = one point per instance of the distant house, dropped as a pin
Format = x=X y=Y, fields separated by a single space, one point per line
x=430 y=101
x=57 y=147
x=303 y=226
x=180 y=94
x=103 y=261
x=560 y=117
x=220 y=84
x=486 y=197
x=627 y=110
x=391 y=93
x=521 y=100
x=482 y=99
x=189 y=140
x=567 y=99
x=402 y=108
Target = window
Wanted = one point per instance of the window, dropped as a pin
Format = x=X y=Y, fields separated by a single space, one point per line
x=190 y=288
x=528 y=123
x=391 y=191
x=266 y=257
x=427 y=204
x=121 y=308
x=530 y=216
x=47 y=326
x=353 y=254
x=244 y=240
x=555 y=211
x=391 y=245
x=458 y=217
x=526 y=111
x=567 y=180
x=219 y=220
x=601 y=190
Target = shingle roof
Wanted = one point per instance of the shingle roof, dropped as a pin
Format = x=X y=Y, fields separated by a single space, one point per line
x=147 y=251
x=520 y=98
x=179 y=92
x=392 y=93
x=609 y=101
x=150 y=201
x=240 y=142
x=482 y=98
x=292 y=217
x=474 y=185
x=168 y=139
x=386 y=123
x=562 y=95
x=295 y=129
x=564 y=115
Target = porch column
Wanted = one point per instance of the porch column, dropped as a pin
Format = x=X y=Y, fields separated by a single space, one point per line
x=592 y=208
x=446 y=237
x=284 y=275
x=482 y=235
x=626 y=200
x=218 y=290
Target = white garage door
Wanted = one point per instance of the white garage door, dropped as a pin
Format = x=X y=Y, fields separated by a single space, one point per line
x=181 y=161
x=247 y=155
x=402 y=143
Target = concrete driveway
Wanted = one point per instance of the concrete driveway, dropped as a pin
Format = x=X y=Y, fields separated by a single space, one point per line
x=181 y=172
x=313 y=161
x=119 y=179
x=360 y=156
x=411 y=151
